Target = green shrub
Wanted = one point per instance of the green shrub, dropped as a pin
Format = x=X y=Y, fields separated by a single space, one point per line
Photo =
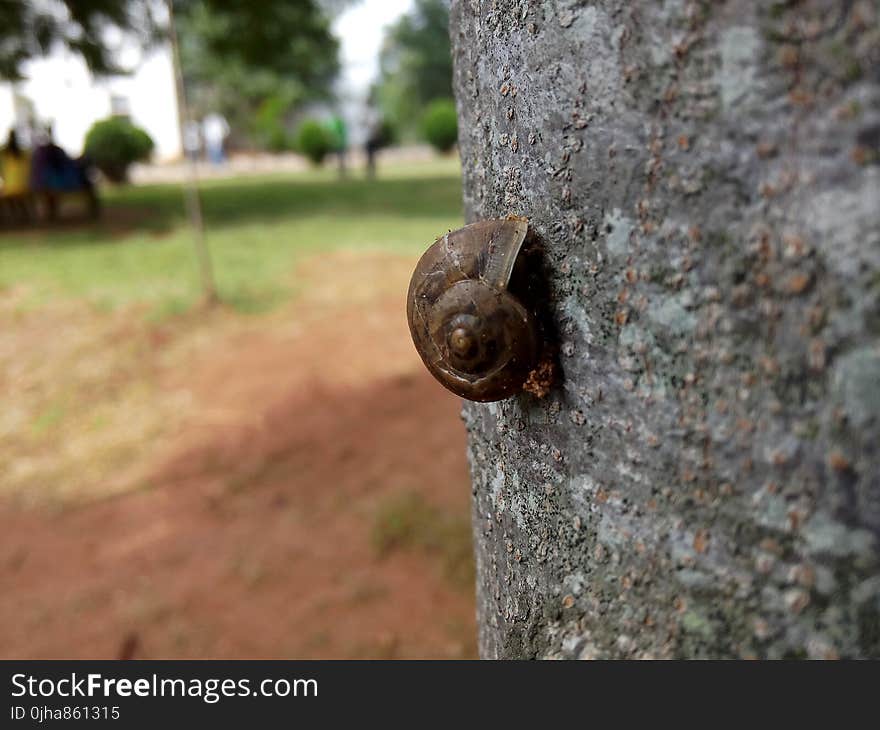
x=314 y=141
x=114 y=144
x=440 y=124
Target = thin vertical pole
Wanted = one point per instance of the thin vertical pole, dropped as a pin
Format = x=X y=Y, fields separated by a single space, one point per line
x=193 y=197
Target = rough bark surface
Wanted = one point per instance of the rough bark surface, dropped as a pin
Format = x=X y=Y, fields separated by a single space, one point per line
x=704 y=479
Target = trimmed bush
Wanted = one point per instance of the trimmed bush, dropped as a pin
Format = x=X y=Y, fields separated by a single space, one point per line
x=314 y=141
x=440 y=124
x=113 y=144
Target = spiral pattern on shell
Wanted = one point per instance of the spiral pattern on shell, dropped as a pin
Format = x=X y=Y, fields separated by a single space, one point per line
x=473 y=334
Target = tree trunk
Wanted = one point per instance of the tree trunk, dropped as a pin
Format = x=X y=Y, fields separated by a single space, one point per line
x=704 y=478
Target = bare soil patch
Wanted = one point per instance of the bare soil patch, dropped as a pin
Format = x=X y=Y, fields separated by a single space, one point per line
x=242 y=520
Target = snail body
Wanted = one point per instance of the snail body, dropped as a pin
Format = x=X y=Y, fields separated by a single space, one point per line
x=475 y=336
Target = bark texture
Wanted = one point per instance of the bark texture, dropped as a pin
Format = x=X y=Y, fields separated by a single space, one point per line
x=704 y=478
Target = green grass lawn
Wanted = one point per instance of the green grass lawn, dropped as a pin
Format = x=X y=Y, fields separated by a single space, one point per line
x=257 y=227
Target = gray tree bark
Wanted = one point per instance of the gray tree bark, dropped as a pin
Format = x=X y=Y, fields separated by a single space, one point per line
x=702 y=481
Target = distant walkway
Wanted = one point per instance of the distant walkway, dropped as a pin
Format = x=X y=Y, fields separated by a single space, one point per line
x=262 y=164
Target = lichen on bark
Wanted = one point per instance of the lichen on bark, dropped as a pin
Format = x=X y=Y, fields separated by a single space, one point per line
x=704 y=479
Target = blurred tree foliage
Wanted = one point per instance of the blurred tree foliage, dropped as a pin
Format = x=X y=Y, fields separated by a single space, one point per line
x=415 y=66
x=30 y=30
x=255 y=62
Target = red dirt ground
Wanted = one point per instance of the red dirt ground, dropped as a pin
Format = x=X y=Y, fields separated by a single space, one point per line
x=252 y=536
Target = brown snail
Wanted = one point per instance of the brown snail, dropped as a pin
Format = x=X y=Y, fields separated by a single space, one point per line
x=473 y=332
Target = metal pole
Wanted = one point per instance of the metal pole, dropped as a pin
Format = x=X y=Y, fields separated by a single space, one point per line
x=193 y=197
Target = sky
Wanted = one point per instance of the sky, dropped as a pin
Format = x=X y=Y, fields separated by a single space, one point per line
x=360 y=30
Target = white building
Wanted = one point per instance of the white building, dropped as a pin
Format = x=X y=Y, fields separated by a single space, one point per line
x=59 y=90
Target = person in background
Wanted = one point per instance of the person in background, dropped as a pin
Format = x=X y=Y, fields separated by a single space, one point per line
x=339 y=133
x=215 y=129
x=53 y=173
x=377 y=138
x=15 y=169
x=192 y=140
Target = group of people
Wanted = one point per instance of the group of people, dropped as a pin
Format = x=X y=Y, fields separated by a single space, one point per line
x=32 y=181
x=210 y=134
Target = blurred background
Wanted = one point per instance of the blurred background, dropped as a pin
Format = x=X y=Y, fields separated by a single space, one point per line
x=216 y=438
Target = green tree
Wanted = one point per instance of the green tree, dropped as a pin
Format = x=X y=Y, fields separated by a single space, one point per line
x=256 y=62
x=30 y=30
x=415 y=65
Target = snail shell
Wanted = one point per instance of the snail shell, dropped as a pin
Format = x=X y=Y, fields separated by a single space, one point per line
x=473 y=334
